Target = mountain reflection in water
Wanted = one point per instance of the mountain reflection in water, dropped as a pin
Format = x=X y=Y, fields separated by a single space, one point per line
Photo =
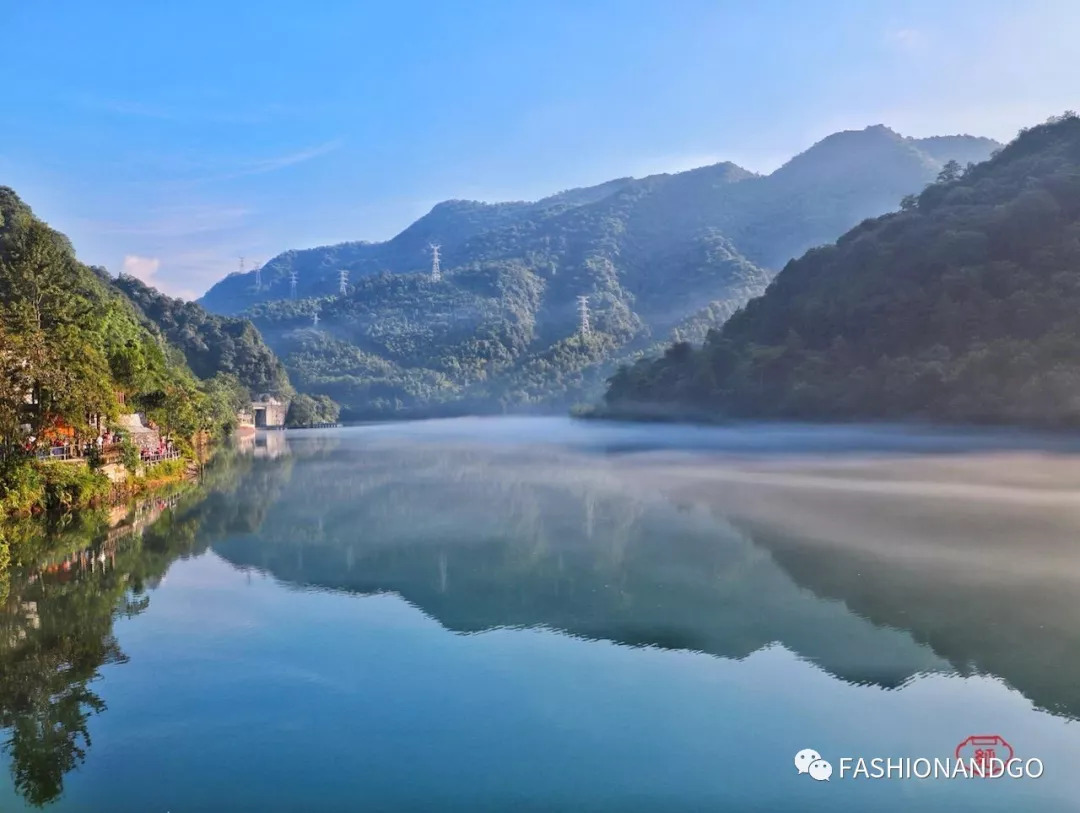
x=877 y=568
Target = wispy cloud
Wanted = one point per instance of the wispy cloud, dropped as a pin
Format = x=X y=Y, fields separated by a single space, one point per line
x=261 y=166
x=298 y=157
x=187 y=112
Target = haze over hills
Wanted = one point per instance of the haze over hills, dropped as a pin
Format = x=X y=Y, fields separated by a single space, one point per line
x=661 y=256
x=960 y=307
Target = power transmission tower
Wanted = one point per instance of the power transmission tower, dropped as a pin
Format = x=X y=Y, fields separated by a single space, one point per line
x=315 y=318
x=583 y=312
x=436 y=269
x=343 y=282
x=292 y=283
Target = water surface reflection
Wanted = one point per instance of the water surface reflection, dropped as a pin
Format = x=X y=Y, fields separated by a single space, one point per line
x=946 y=577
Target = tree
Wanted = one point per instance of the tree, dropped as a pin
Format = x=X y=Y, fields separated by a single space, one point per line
x=950 y=172
x=305 y=410
x=966 y=313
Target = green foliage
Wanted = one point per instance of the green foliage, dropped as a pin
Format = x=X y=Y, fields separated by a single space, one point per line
x=71 y=486
x=226 y=396
x=71 y=340
x=129 y=456
x=499 y=331
x=22 y=486
x=305 y=411
x=212 y=345
x=961 y=307
x=28 y=486
x=166 y=470
x=53 y=350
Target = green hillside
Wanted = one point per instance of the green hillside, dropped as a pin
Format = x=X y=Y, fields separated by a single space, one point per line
x=663 y=257
x=72 y=349
x=211 y=344
x=960 y=307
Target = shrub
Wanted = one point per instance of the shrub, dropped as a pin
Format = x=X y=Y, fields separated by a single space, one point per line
x=73 y=486
x=166 y=469
x=21 y=486
x=129 y=455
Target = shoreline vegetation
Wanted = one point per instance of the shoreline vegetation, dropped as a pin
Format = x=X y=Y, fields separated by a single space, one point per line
x=96 y=404
x=86 y=502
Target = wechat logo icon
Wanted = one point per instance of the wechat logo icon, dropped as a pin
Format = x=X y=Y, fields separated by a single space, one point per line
x=809 y=761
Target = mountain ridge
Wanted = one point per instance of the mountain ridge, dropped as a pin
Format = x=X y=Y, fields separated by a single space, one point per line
x=463 y=214
x=960 y=307
x=502 y=330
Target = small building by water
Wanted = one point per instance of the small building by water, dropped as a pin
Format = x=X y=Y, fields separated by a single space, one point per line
x=268 y=412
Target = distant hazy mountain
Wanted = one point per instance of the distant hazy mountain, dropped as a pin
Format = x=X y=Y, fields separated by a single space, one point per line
x=961 y=307
x=662 y=255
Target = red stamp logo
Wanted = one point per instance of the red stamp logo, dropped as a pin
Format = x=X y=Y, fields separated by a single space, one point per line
x=987 y=753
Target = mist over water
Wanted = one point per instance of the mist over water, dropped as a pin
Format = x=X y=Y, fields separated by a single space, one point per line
x=492 y=614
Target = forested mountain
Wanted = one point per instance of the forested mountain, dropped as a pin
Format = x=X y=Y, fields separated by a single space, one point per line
x=659 y=257
x=211 y=344
x=71 y=344
x=963 y=306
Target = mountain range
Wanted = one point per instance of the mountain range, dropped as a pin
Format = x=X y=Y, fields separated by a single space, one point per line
x=662 y=257
x=960 y=307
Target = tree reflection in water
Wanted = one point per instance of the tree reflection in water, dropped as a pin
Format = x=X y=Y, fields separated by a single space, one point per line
x=480 y=538
x=56 y=618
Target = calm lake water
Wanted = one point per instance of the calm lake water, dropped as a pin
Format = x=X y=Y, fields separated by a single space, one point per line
x=537 y=614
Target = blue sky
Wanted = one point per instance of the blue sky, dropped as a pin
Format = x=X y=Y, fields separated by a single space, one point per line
x=170 y=138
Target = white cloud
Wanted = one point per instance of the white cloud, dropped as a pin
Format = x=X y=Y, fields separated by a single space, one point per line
x=143 y=268
x=146 y=269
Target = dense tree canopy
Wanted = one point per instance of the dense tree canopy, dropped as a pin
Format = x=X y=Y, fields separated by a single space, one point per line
x=306 y=411
x=660 y=257
x=211 y=344
x=71 y=346
x=962 y=306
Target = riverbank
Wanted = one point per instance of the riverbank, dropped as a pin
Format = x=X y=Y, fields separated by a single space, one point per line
x=37 y=498
x=30 y=487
